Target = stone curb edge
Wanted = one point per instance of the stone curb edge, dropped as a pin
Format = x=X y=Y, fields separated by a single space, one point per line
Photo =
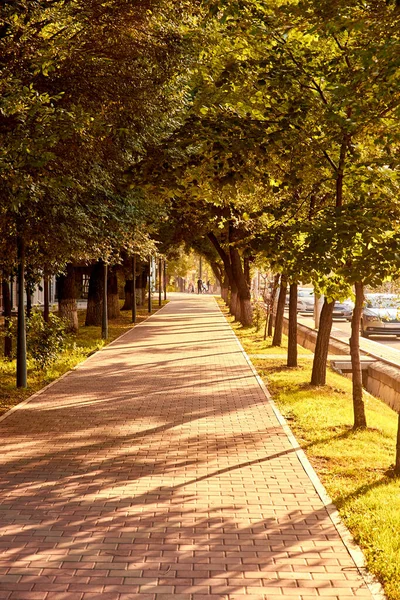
x=76 y=368
x=353 y=549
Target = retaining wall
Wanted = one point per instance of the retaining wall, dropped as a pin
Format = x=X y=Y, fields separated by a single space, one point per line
x=381 y=379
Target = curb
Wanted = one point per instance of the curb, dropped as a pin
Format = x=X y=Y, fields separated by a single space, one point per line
x=352 y=548
x=76 y=368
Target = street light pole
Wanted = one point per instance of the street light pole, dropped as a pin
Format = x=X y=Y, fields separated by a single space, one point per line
x=104 y=317
x=165 y=279
x=134 y=289
x=22 y=376
x=149 y=298
x=159 y=281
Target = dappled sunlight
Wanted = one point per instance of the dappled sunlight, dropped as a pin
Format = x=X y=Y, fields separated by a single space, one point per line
x=159 y=468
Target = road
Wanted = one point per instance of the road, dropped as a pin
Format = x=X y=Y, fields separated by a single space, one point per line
x=386 y=346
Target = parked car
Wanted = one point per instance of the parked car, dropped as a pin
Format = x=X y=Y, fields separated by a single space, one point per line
x=343 y=310
x=381 y=315
x=305 y=300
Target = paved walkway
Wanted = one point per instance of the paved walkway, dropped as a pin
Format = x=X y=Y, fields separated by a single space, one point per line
x=158 y=470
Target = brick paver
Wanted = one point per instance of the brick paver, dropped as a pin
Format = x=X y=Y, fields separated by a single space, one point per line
x=158 y=470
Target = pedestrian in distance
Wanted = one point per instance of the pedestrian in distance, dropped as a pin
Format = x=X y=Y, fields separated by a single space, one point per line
x=199 y=286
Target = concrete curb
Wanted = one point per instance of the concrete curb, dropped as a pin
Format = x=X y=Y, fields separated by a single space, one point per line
x=362 y=351
x=76 y=368
x=353 y=549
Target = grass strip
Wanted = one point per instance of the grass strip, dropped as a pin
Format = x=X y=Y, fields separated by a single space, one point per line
x=356 y=467
x=78 y=348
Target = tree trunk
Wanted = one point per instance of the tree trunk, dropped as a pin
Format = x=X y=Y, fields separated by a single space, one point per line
x=67 y=307
x=238 y=308
x=246 y=270
x=318 y=376
x=233 y=301
x=272 y=304
x=292 y=333
x=246 y=312
x=7 y=317
x=216 y=269
x=113 y=308
x=225 y=288
x=141 y=284
x=142 y=296
x=397 y=463
x=228 y=270
x=225 y=291
x=46 y=300
x=128 y=289
x=277 y=339
x=360 y=420
x=22 y=372
x=246 y=316
x=94 y=309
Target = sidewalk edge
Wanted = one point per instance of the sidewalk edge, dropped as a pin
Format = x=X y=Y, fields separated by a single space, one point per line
x=353 y=549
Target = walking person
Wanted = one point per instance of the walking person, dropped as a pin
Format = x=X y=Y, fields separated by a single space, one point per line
x=199 y=286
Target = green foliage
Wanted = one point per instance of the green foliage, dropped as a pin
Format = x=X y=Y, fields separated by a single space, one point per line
x=45 y=341
x=295 y=113
x=259 y=315
x=84 y=86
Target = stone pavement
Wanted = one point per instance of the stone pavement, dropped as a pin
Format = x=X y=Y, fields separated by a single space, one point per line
x=158 y=470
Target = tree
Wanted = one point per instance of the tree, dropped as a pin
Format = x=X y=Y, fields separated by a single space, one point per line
x=83 y=85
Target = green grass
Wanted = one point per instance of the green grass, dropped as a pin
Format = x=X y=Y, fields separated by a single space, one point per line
x=356 y=468
x=253 y=341
x=79 y=347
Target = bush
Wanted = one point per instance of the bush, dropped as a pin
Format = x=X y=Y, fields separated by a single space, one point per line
x=45 y=341
x=9 y=329
x=259 y=315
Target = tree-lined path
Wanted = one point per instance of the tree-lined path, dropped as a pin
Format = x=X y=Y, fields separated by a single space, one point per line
x=159 y=470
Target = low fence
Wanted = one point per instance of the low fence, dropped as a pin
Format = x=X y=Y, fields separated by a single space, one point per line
x=381 y=378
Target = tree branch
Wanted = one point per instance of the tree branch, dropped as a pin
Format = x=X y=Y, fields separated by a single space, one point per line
x=330 y=161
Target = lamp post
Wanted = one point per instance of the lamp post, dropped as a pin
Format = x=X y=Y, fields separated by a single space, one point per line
x=104 y=316
x=21 y=331
x=149 y=298
x=134 y=289
x=159 y=281
x=165 y=279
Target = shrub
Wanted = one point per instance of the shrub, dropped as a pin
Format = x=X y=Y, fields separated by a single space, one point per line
x=259 y=315
x=45 y=341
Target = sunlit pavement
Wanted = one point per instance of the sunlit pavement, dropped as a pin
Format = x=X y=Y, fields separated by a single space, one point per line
x=159 y=470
